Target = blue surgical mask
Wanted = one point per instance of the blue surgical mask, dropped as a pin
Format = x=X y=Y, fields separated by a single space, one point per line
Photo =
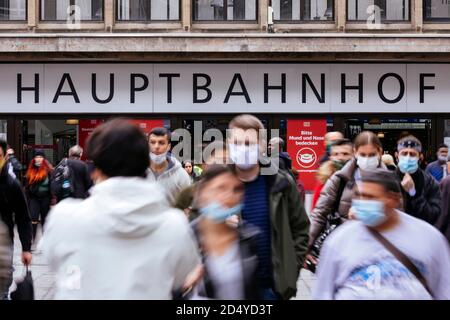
x=219 y=214
x=369 y=212
x=408 y=164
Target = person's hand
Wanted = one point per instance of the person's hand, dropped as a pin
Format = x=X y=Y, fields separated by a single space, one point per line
x=26 y=258
x=351 y=214
x=407 y=183
x=311 y=259
x=233 y=221
x=193 y=278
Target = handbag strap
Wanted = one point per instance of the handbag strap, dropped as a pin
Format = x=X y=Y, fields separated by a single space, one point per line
x=403 y=258
x=337 y=201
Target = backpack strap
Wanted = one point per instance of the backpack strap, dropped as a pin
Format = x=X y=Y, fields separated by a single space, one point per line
x=403 y=258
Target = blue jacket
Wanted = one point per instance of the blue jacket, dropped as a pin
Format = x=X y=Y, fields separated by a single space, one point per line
x=436 y=170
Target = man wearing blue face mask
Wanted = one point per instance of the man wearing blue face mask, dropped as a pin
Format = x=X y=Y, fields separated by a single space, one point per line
x=383 y=253
x=421 y=194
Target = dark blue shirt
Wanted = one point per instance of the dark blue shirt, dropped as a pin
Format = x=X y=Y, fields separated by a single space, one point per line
x=256 y=212
x=436 y=170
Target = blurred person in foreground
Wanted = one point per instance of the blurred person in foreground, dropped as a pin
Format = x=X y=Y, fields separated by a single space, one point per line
x=421 y=194
x=229 y=253
x=6 y=260
x=124 y=241
x=214 y=153
x=272 y=204
x=13 y=211
x=357 y=264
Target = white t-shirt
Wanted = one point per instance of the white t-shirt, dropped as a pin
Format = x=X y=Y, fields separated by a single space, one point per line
x=354 y=265
x=225 y=272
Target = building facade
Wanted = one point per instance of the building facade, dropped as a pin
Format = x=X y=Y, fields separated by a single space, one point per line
x=67 y=65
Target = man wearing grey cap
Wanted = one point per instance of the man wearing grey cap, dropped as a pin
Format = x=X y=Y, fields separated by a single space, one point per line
x=421 y=194
x=383 y=253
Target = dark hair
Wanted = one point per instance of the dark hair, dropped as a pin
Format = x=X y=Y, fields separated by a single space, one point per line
x=187 y=161
x=385 y=178
x=442 y=145
x=161 y=132
x=119 y=148
x=4 y=146
x=342 y=142
x=366 y=138
x=213 y=172
x=409 y=141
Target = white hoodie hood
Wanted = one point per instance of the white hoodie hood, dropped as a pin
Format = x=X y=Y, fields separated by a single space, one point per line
x=123 y=242
x=128 y=206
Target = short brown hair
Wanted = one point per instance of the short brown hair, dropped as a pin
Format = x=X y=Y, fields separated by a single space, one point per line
x=246 y=122
x=368 y=138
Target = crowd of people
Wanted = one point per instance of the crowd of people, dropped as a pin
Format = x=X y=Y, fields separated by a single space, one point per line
x=136 y=223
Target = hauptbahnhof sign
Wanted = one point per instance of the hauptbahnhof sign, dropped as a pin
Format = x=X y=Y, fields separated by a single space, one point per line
x=224 y=88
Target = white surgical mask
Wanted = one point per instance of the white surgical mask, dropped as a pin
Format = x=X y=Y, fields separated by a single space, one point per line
x=367 y=163
x=243 y=156
x=158 y=158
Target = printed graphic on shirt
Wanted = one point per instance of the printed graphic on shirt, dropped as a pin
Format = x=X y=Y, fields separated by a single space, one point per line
x=386 y=277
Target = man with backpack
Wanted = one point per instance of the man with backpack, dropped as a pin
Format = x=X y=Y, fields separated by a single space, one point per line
x=71 y=177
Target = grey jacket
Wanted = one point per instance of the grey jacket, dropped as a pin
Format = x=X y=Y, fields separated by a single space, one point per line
x=5 y=258
x=327 y=199
x=172 y=180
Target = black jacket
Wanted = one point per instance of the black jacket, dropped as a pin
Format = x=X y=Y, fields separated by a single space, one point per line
x=443 y=223
x=426 y=204
x=80 y=178
x=14 y=209
x=249 y=260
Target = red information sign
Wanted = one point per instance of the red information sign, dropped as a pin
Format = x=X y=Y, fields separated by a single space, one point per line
x=85 y=129
x=148 y=125
x=305 y=145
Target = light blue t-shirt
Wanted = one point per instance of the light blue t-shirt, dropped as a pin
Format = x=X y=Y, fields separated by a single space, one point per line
x=354 y=265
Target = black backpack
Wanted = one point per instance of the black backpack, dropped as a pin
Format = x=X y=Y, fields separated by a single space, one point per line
x=61 y=181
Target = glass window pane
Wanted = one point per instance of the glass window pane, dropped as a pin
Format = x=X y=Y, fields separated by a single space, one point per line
x=62 y=10
x=225 y=10
x=146 y=10
x=303 y=10
x=436 y=10
x=3 y=132
x=13 y=10
x=378 y=10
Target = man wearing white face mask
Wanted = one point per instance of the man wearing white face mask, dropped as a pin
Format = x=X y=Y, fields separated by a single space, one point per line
x=164 y=168
x=272 y=203
x=383 y=253
x=421 y=194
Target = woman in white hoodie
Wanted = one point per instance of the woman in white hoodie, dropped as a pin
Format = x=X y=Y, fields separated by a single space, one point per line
x=124 y=242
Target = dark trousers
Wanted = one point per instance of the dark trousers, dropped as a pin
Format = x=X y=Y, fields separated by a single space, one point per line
x=39 y=208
